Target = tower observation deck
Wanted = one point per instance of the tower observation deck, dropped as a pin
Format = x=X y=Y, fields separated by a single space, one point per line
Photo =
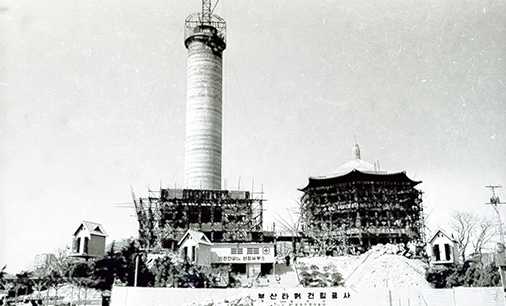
x=205 y=41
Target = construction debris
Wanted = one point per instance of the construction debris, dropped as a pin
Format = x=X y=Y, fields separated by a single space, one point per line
x=382 y=266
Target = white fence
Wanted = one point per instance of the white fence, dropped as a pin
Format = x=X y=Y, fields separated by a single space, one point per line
x=130 y=296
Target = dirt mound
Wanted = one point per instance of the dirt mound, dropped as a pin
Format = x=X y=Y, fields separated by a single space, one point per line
x=381 y=266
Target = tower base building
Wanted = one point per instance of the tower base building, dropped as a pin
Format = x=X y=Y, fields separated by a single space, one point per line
x=221 y=215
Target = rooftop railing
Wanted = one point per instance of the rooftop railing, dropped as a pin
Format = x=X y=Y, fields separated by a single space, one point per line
x=195 y=25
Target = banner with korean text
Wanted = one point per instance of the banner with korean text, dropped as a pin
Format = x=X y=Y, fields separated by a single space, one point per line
x=129 y=296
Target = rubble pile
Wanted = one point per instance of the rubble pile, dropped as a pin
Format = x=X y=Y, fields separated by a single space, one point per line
x=382 y=266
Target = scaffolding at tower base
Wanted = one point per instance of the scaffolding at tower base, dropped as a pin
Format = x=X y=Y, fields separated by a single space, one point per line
x=222 y=215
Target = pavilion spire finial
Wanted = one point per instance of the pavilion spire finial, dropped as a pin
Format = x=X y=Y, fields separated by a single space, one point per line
x=356 y=151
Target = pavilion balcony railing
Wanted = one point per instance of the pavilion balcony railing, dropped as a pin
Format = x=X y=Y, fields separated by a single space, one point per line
x=373 y=230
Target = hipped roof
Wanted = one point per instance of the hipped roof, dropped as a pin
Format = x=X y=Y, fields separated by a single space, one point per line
x=360 y=176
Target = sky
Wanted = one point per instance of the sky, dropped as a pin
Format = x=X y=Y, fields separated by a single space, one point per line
x=92 y=101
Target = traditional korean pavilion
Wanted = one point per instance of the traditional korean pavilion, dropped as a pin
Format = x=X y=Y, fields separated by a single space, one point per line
x=359 y=206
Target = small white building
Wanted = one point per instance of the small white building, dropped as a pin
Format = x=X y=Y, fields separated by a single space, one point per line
x=195 y=248
x=442 y=249
x=89 y=240
x=249 y=258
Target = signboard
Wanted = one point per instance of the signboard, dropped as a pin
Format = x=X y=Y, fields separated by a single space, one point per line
x=206 y=195
x=231 y=253
x=305 y=297
x=243 y=259
x=337 y=296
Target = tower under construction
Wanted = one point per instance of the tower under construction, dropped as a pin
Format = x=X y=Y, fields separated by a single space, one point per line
x=222 y=215
x=205 y=42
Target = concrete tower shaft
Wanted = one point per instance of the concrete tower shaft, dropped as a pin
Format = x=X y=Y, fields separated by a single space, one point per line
x=205 y=43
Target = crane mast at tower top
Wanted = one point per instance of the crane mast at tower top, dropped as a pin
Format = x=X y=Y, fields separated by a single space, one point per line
x=206 y=11
x=198 y=22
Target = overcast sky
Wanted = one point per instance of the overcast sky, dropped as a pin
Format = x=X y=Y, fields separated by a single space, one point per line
x=92 y=101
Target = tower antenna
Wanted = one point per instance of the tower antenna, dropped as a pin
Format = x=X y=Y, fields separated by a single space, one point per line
x=206 y=11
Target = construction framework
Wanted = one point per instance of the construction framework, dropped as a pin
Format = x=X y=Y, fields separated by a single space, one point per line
x=352 y=212
x=222 y=215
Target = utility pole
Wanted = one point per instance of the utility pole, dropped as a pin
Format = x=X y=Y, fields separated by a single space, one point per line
x=494 y=201
x=501 y=256
x=136 y=273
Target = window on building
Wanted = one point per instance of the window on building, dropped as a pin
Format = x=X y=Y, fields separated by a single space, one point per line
x=252 y=251
x=435 y=251
x=77 y=245
x=217 y=214
x=194 y=216
x=236 y=251
x=447 y=251
x=86 y=240
x=180 y=217
x=206 y=214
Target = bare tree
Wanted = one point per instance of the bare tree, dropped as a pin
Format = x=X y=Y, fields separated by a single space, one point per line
x=464 y=225
x=58 y=268
x=485 y=231
x=40 y=279
x=472 y=233
x=291 y=222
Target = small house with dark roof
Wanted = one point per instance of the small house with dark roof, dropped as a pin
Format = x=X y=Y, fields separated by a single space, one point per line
x=359 y=206
x=442 y=249
x=195 y=248
x=89 y=240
